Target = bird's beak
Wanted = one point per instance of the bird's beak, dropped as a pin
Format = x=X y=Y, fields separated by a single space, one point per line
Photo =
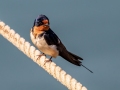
x=46 y=24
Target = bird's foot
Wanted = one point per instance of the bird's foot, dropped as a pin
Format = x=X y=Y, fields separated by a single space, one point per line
x=48 y=60
x=39 y=56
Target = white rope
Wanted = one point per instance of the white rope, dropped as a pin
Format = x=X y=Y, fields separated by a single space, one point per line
x=32 y=53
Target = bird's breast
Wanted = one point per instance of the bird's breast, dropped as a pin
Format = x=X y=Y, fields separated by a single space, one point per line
x=41 y=44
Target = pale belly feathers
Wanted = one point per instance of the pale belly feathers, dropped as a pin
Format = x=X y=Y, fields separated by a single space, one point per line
x=41 y=44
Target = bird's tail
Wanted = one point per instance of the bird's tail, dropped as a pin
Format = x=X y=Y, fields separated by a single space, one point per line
x=72 y=58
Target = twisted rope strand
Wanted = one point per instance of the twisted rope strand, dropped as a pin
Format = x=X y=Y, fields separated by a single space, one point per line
x=32 y=53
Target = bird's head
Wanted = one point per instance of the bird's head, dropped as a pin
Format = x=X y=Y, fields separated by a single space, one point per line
x=42 y=22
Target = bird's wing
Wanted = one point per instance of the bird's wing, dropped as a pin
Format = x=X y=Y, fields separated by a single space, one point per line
x=51 y=38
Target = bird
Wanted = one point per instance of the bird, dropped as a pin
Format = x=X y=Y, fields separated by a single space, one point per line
x=49 y=43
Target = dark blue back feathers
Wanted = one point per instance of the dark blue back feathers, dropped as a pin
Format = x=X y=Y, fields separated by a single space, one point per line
x=51 y=38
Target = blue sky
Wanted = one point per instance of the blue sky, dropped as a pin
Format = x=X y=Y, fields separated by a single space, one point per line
x=90 y=29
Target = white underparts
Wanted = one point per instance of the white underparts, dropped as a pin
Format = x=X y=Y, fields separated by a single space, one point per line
x=41 y=44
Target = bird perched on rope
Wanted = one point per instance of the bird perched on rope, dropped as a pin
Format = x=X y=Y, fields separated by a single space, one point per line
x=48 y=42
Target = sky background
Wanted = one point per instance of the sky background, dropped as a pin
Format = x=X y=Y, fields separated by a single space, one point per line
x=88 y=28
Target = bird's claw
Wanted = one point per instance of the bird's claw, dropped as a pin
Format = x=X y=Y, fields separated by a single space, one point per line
x=47 y=61
x=39 y=56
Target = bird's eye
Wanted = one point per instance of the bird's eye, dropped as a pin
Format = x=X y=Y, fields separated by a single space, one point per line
x=38 y=23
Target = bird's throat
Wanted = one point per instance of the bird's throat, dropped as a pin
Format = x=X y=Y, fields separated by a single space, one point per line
x=37 y=30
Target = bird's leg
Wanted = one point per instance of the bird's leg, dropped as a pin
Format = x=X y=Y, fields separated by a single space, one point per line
x=48 y=60
x=40 y=55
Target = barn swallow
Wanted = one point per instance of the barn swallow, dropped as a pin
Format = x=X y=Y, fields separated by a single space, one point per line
x=49 y=43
